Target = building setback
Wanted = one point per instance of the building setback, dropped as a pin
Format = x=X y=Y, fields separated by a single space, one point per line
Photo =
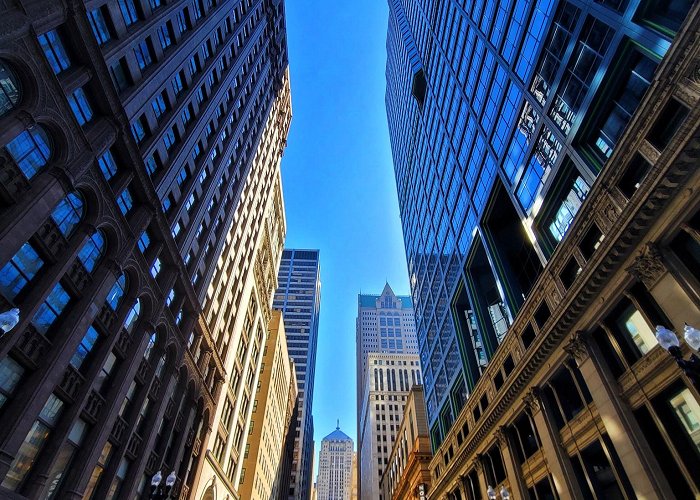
x=299 y=298
x=335 y=467
x=262 y=460
x=541 y=151
x=141 y=226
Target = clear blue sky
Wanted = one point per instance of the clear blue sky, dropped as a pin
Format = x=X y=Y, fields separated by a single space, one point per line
x=339 y=188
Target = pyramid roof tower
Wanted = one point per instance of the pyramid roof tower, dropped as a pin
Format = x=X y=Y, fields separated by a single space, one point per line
x=337 y=435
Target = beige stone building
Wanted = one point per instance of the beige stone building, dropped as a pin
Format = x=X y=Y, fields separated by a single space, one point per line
x=408 y=473
x=388 y=380
x=580 y=399
x=270 y=421
x=239 y=304
x=353 y=478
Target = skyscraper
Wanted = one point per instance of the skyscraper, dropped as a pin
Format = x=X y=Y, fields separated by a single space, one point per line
x=140 y=146
x=262 y=461
x=387 y=367
x=335 y=467
x=539 y=149
x=299 y=299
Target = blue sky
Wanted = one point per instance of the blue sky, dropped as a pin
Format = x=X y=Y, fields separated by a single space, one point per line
x=339 y=188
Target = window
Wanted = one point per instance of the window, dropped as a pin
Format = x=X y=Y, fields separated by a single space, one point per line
x=154 y=4
x=30 y=150
x=118 y=478
x=120 y=75
x=159 y=105
x=19 y=271
x=125 y=202
x=98 y=21
x=68 y=213
x=177 y=227
x=10 y=91
x=155 y=268
x=152 y=164
x=98 y=470
x=116 y=294
x=165 y=35
x=107 y=165
x=92 y=251
x=65 y=457
x=178 y=83
x=596 y=475
x=170 y=138
x=665 y=16
x=171 y=296
x=51 y=309
x=54 y=51
x=10 y=375
x=139 y=129
x=190 y=202
x=183 y=22
x=181 y=176
x=129 y=12
x=144 y=241
x=33 y=443
x=105 y=373
x=144 y=54
x=624 y=92
x=85 y=347
x=186 y=115
x=80 y=106
x=132 y=316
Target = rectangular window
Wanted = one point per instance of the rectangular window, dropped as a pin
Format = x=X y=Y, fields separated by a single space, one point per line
x=153 y=164
x=183 y=22
x=120 y=75
x=65 y=457
x=125 y=202
x=144 y=53
x=190 y=202
x=139 y=129
x=170 y=138
x=85 y=347
x=98 y=21
x=80 y=106
x=159 y=105
x=155 y=268
x=165 y=35
x=51 y=308
x=154 y=4
x=54 y=51
x=177 y=227
x=186 y=115
x=107 y=165
x=178 y=83
x=11 y=374
x=19 y=271
x=144 y=241
x=129 y=12
x=33 y=443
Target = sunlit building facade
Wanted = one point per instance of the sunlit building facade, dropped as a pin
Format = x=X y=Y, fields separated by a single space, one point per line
x=141 y=221
x=533 y=144
x=298 y=296
x=335 y=467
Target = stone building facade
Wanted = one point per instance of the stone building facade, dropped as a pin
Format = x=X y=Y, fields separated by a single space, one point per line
x=139 y=141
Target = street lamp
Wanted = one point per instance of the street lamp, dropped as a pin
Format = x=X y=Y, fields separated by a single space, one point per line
x=160 y=491
x=8 y=320
x=669 y=341
x=492 y=495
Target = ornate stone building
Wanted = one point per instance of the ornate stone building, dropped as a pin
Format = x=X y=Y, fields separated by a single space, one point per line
x=139 y=150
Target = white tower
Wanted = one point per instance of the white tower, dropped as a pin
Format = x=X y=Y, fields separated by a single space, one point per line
x=335 y=467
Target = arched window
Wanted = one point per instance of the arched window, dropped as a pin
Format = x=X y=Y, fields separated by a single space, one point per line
x=132 y=316
x=31 y=150
x=150 y=346
x=92 y=251
x=160 y=365
x=85 y=347
x=115 y=295
x=68 y=213
x=10 y=90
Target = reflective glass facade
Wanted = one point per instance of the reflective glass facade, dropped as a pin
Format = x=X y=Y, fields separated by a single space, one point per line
x=501 y=115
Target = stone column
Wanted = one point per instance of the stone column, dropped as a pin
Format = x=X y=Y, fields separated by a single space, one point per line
x=517 y=487
x=479 y=467
x=557 y=459
x=634 y=452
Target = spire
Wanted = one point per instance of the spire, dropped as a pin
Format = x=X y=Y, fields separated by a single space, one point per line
x=337 y=427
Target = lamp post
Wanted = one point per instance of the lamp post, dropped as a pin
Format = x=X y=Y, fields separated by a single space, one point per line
x=669 y=341
x=492 y=495
x=8 y=320
x=160 y=491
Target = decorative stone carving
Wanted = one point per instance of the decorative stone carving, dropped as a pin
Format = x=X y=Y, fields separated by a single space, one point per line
x=501 y=436
x=577 y=347
x=648 y=266
x=533 y=400
x=477 y=463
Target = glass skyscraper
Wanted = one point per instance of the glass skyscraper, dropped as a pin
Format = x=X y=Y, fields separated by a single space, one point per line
x=299 y=298
x=501 y=115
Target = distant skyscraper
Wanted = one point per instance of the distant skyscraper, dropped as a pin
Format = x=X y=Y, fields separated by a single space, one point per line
x=299 y=298
x=335 y=467
x=540 y=150
x=387 y=367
